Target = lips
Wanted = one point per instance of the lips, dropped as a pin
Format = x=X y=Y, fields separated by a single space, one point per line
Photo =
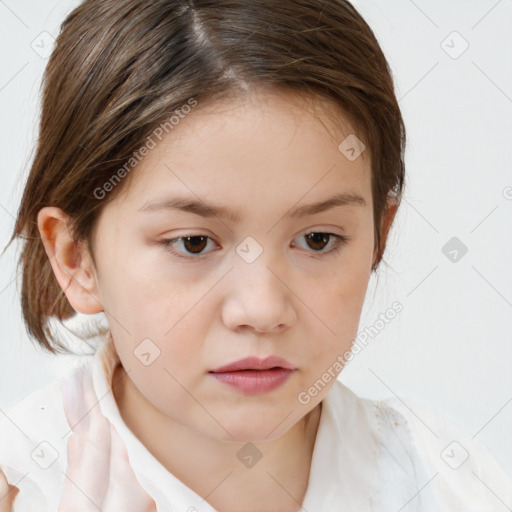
x=255 y=363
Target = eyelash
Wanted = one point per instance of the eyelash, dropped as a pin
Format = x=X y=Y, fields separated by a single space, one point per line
x=339 y=242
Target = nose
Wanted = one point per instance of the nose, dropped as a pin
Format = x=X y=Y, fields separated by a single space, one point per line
x=257 y=299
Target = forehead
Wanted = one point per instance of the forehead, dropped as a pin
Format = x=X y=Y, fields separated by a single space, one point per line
x=252 y=142
x=277 y=109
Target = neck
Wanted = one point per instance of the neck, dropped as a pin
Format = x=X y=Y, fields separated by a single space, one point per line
x=277 y=482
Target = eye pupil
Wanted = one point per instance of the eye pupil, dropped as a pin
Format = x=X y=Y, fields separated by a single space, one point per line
x=318 y=238
x=196 y=247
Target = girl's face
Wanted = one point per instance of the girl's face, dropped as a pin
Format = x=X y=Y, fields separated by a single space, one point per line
x=250 y=282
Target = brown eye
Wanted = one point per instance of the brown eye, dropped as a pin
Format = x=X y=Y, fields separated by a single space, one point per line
x=194 y=244
x=318 y=241
x=191 y=247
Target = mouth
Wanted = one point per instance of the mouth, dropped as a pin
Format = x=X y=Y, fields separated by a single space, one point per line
x=254 y=382
x=255 y=363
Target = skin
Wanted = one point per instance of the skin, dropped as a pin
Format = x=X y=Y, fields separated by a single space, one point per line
x=7 y=494
x=261 y=154
x=99 y=476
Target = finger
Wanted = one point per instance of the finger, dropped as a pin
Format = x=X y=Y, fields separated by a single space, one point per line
x=87 y=472
x=99 y=474
x=80 y=400
x=75 y=407
x=125 y=492
x=7 y=494
x=88 y=452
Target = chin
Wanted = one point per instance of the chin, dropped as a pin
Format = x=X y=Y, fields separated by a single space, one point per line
x=253 y=428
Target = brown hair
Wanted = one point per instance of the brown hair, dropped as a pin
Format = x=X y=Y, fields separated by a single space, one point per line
x=120 y=68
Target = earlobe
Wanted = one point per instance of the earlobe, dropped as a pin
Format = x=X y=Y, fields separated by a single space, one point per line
x=70 y=261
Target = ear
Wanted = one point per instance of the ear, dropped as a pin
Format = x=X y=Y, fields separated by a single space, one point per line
x=70 y=261
x=387 y=220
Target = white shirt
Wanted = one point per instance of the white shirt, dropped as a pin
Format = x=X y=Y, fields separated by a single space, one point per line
x=369 y=455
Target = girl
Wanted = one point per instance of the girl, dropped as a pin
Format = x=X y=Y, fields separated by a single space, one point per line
x=219 y=179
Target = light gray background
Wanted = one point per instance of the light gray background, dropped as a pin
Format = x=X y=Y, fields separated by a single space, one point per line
x=451 y=346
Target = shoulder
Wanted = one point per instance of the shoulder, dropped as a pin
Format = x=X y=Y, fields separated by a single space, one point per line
x=422 y=461
x=33 y=442
x=458 y=471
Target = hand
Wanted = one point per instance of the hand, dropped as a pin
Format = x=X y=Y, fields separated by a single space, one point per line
x=98 y=474
x=7 y=494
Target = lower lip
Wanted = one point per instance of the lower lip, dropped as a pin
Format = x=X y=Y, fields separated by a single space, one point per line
x=254 y=382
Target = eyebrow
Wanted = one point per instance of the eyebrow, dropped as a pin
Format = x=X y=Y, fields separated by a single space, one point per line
x=209 y=210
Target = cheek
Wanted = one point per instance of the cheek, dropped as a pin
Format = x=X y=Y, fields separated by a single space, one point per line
x=335 y=325
x=338 y=302
x=346 y=285
x=160 y=363
x=159 y=384
x=142 y=297
x=160 y=313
